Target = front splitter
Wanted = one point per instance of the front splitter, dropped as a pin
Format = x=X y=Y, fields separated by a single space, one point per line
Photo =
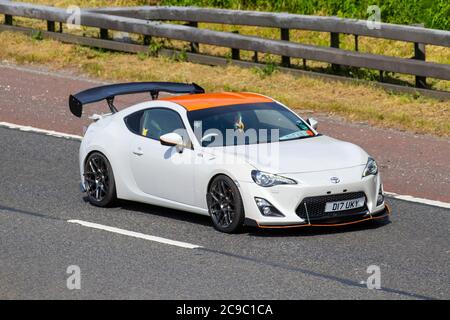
x=379 y=216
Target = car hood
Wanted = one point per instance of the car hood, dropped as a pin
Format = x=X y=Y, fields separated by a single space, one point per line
x=317 y=153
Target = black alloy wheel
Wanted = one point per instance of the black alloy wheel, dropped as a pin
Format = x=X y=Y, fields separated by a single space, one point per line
x=99 y=180
x=225 y=205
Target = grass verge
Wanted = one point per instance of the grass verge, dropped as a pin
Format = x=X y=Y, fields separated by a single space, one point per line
x=352 y=101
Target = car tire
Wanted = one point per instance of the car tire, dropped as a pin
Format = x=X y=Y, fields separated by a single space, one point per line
x=99 y=180
x=225 y=205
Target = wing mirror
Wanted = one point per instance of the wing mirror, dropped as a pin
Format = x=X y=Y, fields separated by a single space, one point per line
x=313 y=123
x=172 y=140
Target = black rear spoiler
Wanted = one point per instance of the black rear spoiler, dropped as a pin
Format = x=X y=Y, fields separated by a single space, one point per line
x=108 y=92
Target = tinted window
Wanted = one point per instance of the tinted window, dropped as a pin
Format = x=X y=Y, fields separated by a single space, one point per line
x=153 y=123
x=133 y=121
x=247 y=124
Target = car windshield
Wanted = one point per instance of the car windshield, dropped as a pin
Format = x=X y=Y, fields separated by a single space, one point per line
x=247 y=124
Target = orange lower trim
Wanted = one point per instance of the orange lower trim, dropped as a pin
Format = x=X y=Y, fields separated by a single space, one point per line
x=388 y=212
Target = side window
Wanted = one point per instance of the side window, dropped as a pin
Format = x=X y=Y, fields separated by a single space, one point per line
x=157 y=122
x=153 y=123
x=133 y=122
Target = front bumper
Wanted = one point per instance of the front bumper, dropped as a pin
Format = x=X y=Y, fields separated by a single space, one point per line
x=329 y=222
x=287 y=199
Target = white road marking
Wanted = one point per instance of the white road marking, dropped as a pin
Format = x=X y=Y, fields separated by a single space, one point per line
x=43 y=131
x=135 y=234
x=434 y=203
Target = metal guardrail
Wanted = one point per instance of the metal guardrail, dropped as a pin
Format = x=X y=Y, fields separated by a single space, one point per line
x=141 y=20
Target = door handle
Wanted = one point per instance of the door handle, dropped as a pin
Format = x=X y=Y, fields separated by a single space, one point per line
x=138 y=151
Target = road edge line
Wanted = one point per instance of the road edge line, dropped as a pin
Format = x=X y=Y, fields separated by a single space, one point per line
x=434 y=203
x=42 y=131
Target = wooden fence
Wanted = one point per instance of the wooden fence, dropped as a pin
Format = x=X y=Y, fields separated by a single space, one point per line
x=154 y=21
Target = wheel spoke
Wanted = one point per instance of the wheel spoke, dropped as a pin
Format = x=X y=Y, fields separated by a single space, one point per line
x=97 y=178
x=98 y=164
x=223 y=189
x=226 y=217
x=221 y=203
x=222 y=220
x=216 y=200
x=92 y=166
x=230 y=214
x=218 y=191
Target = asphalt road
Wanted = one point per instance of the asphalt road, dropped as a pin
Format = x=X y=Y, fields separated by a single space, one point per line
x=39 y=194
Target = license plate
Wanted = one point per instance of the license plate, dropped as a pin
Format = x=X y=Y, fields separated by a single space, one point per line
x=344 y=205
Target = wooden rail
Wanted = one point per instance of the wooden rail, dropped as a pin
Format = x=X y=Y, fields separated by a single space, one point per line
x=284 y=21
x=152 y=22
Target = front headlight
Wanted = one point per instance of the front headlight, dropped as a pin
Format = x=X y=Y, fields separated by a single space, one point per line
x=371 y=168
x=265 y=179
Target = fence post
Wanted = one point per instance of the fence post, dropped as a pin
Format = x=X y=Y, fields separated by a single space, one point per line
x=147 y=40
x=356 y=43
x=51 y=26
x=334 y=43
x=235 y=53
x=255 y=57
x=8 y=19
x=195 y=47
x=419 y=54
x=285 y=61
x=104 y=34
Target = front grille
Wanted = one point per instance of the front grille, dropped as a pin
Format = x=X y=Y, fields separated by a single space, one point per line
x=316 y=206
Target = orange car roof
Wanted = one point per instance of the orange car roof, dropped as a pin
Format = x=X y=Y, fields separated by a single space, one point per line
x=210 y=100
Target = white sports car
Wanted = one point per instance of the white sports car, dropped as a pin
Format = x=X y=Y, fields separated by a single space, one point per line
x=242 y=158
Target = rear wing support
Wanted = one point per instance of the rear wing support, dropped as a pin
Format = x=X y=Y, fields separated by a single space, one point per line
x=111 y=106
